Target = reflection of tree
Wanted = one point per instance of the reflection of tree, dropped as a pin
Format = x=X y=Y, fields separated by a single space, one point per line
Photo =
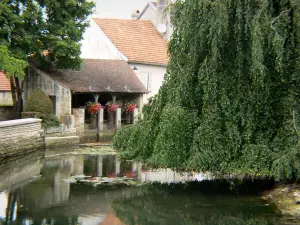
x=164 y=209
x=11 y=206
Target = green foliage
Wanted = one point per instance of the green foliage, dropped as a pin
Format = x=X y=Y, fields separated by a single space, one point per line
x=122 y=142
x=34 y=26
x=49 y=120
x=230 y=100
x=39 y=102
x=171 y=148
x=46 y=31
x=10 y=65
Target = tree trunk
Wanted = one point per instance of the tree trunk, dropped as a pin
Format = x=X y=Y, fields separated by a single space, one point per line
x=16 y=91
x=19 y=105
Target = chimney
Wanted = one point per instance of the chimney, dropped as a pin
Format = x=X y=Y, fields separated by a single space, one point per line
x=162 y=18
x=135 y=14
x=161 y=13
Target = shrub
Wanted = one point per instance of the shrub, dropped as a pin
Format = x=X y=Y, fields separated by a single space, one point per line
x=25 y=115
x=39 y=102
x=49 y=120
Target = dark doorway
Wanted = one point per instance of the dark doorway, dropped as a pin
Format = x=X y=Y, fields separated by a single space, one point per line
x=53 y=100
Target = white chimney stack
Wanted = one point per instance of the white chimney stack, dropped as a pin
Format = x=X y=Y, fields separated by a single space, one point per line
x=162 y=17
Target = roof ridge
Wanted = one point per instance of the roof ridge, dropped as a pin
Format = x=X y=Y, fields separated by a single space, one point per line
x=128 y=20
x=105 y=59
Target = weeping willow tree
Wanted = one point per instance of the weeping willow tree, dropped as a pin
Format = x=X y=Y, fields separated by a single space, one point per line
x=230 y=99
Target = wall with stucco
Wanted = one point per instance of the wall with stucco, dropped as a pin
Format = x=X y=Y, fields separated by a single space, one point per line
x=6 y=98
x=96 y=45
x=150 y=14
x=151 y=76
x=37 y=79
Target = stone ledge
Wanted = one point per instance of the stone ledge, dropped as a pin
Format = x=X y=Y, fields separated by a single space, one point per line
x=10 y=123
x=62 y=141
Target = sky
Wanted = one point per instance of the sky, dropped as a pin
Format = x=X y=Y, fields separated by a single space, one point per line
x=119 y=8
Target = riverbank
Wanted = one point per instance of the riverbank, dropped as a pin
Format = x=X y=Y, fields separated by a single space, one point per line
x=286 y=198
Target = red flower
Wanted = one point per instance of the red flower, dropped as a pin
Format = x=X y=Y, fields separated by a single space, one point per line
x=112 y=107
x=130 y=107
x=93 y=108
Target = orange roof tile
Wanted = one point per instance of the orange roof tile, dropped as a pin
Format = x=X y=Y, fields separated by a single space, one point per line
x=138 y=40
x=4 y=82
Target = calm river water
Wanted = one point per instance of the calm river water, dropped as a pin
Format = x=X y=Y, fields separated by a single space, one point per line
x=34 y=191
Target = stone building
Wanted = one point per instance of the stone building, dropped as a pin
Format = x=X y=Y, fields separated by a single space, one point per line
x=6 y=101
x=98 y=80
x=5 y=93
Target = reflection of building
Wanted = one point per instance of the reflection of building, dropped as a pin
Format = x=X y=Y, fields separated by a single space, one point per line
x=51 y=189
x=106 y=166
x=111 y=219
x=171 y=176
x=14 y=173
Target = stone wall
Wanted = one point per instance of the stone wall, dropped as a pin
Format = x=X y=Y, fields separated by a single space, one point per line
x=6 y=113
x=18 y=137
x=35 y=78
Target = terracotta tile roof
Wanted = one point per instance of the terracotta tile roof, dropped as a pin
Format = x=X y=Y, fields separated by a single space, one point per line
x=138 y=40
x=100 y=75
x=4 y=82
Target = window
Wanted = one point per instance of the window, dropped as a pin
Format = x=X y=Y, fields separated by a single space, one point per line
x=3 y=94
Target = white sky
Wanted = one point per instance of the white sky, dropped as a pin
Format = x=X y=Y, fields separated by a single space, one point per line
x=119 y=8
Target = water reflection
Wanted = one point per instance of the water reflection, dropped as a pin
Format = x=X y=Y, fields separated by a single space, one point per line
x=34 y=191
x=161 y=207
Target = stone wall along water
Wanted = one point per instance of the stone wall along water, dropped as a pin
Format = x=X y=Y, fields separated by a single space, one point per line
x=18 y=137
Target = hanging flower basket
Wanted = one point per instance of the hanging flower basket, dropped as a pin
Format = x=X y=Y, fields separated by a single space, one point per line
x=93 y=108
x=112 y=107
x=130 y=107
